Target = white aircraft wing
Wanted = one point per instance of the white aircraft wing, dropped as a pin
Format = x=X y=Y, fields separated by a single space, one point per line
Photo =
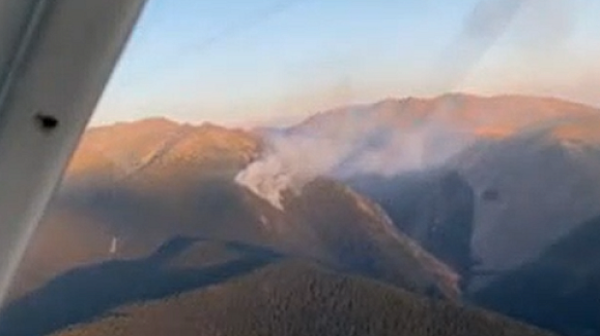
x=56 y=57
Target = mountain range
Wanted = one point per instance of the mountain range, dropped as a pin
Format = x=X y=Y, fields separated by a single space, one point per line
x=462 y=199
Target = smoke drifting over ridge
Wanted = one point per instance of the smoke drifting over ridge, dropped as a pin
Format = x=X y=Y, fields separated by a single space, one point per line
x=347 y=143
x=359 y=143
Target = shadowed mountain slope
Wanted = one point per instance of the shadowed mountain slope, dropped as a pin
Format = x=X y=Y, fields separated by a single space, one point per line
x=187 y=189
x=560 y=290
x=296 y=298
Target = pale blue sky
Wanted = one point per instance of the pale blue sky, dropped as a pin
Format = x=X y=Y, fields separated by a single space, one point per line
x=247 y=62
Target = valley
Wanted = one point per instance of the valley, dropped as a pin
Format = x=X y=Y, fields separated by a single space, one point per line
x=426 y=210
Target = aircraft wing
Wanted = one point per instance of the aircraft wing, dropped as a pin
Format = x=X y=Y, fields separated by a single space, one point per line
x=56 y=57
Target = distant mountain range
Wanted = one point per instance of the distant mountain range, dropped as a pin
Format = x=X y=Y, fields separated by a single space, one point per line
x=457 y=197
x=398 y=135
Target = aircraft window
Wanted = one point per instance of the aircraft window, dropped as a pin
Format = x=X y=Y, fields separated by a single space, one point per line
x=301 y=167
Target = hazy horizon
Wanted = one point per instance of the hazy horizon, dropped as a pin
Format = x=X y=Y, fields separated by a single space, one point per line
x=276 y=62
x=297 y=119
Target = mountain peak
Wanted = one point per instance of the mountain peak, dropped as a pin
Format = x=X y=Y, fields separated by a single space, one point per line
x=128 y=147
x=152 y=122
x=464 y=110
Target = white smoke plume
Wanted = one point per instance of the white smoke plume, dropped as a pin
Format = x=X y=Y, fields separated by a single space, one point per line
x=343 y=145
x=361 y=143
x=289 y=162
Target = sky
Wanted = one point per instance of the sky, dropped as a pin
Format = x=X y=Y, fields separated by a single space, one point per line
x=247 y=63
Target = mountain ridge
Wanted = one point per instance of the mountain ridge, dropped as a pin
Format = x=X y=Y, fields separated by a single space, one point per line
x=137 y=185
x=299 y=298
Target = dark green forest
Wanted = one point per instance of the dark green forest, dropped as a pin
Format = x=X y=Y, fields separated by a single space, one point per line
x=298 y=298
